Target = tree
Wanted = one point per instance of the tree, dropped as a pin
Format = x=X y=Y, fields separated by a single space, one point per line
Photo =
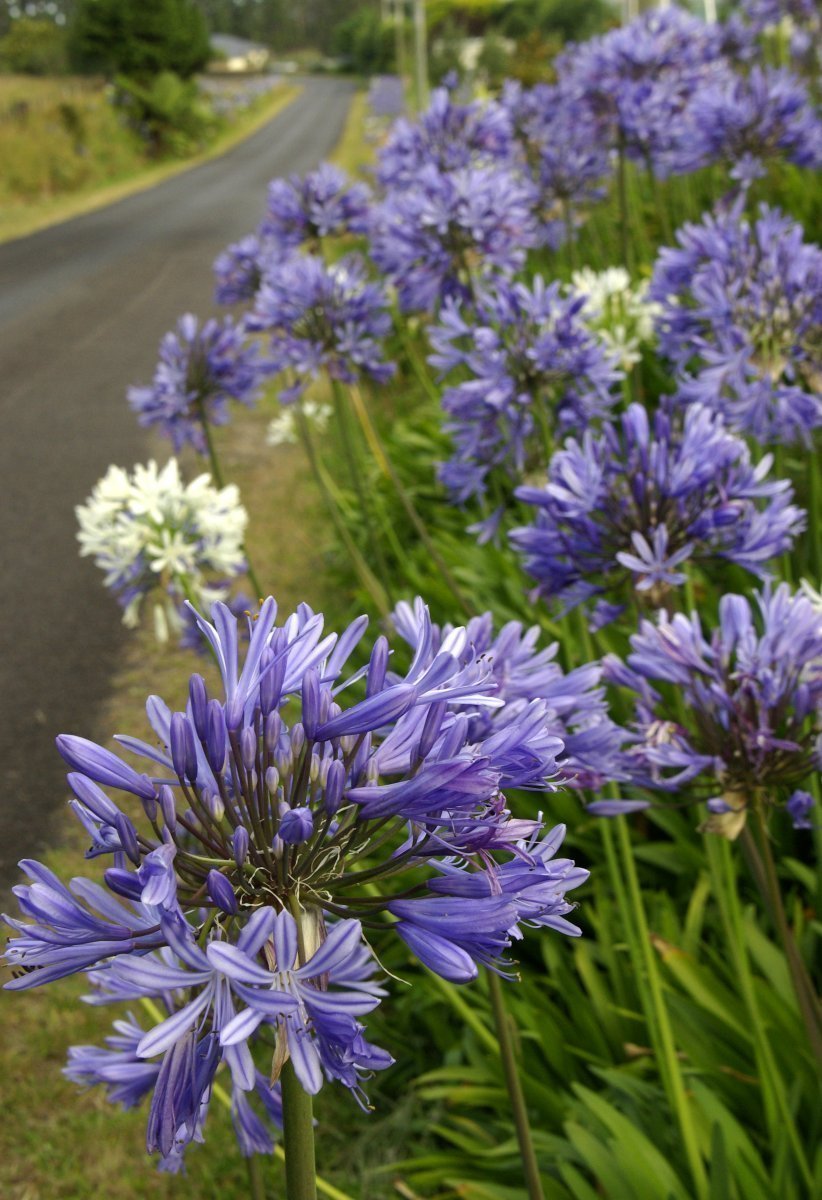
x=33 y=47
x=138 y=38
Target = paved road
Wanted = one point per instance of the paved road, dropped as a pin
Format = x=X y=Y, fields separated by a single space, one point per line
x=82 y=308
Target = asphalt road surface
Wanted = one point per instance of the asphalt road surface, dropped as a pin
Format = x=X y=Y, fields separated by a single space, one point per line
x=83 y=306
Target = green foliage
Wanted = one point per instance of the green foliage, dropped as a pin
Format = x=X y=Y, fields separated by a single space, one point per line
x=33 y=47
x=167 y=112
x=494 y=60
x=569 y=20
x=138 y=38
x=365 y=43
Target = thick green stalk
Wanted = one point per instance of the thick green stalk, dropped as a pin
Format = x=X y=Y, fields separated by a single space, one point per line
x=622 y=189
x=369 y=581
x=355 y=475
x=256 y=1182
x=502 y=1020
x=778 y=1114
x=768 y=882
x=815 y=518
x=219 y=479
x=388 y=469
x=660 y=1018
x=298 y=1138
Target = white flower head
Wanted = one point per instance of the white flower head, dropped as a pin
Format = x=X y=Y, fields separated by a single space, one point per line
x=151 y=532
x=282 y=429
x=617 y=310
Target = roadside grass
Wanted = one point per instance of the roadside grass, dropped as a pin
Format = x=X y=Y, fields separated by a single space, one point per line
x=65 y=151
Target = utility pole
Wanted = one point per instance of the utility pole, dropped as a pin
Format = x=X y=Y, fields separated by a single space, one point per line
x=420 y=54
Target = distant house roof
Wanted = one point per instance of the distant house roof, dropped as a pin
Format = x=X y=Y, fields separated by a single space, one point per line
x=235 y=47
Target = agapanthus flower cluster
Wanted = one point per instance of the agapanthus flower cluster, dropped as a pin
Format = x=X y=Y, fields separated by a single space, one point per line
x=798 y=22
x=618 y=310
x=318 y=317
x=556 y=134
x=535 y=369
x=451 y=231
x=241 y=267
x=201 y=369
x=448 y=136
x=386 y=96
x=763 y=114
x=310 y=207
x=155 y=535
x=627 y=508
x=576 y=711
x=283 y=817
x=638 y=81
x=741 y=314
x=283 y=429
x=735 y=714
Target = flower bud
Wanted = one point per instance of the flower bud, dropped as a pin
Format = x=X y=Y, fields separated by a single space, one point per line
x=216 y=737
x=311 y=702
x=377 y=667
x=199 y=704
x=334 y=786
x=239 y=844
x=183 y=749
x=221 y=892
x=296 y=825
x=272 y=780
x=128 y=837
x=248 y=748
x=168 y=807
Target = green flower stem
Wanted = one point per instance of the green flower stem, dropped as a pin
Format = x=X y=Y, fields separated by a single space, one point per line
x=256 y=1182
x=369 y=581
x=503 y=1022
x=219 y=479
x=660 y=1019
x=568 y=215
x=356 y=477
x=815 y=518
x=388 y=469
x=778 y=1114
x=764 y=868
x=622 y=192
x=298 y=1136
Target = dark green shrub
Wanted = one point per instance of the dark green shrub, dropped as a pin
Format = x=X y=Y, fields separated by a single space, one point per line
x=34 y=47
x=138 y=38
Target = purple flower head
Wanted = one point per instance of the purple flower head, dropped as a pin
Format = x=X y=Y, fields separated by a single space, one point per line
x=447 y=137
x=799 y=20
x=240 y=269
x=320 y=317
x=741 y=310
x=627 y=508
x=799 y=807
x=752 y=697
x=201 y=369
x=637 y=82
x=386 y=96
x=534 y=367
x=321 y=204
x=556 y=134
x=448 y=232
x=763 y=114
x=237 y=902
x=572 y=708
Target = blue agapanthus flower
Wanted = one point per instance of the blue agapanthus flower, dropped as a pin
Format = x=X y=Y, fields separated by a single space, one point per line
x=534 y=369
x=735 y=713
x=638 y=81
x=240 y=268
x=629 y=507
x=448 y=136
x=318 y=317
x=320 y=204
x=576 y=711
x=556 y=134
x=763 y=114
x=202 y=368
x=799 y=21
x=741 y=313
x=272 y=810
x=449 y=231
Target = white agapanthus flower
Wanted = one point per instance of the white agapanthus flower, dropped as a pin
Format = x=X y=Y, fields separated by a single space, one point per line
x=617 y=310
x=813 y=594
x=282 y=429
x=153 y=533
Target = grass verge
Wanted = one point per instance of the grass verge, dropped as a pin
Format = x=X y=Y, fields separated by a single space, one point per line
x=20 y=218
